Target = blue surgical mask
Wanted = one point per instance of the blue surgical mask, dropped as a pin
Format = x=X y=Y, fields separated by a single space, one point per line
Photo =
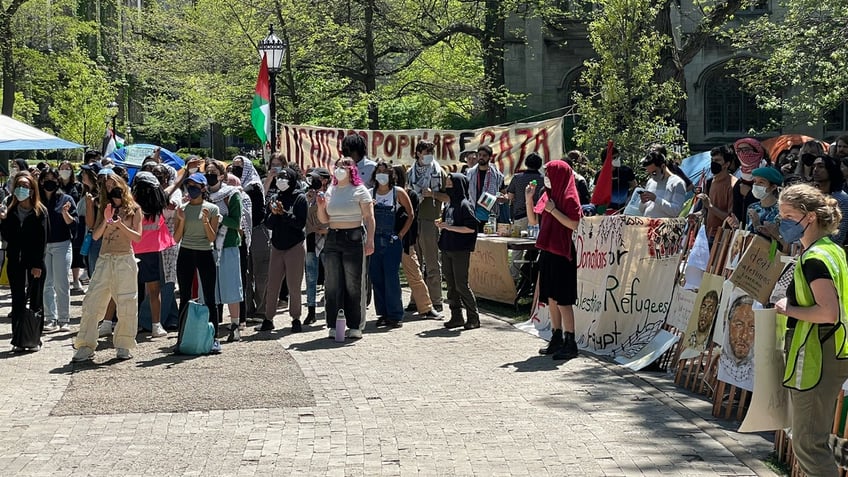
x=22 y=193
x=792 y=231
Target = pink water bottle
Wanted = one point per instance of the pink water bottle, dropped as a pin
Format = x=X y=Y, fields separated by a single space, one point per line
x=341 y=326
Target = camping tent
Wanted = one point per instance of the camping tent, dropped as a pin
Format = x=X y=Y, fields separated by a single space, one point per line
x=18 y=136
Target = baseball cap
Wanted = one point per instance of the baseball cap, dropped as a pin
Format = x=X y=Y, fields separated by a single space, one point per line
x=197 y=178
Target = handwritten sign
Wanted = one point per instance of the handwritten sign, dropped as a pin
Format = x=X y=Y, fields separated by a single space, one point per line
x=311 y=146
x=681 y=308
x=770 y=409
x=758 y=270
x=488 y=271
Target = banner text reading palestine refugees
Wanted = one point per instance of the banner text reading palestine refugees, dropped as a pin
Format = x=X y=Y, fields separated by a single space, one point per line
x=310 y=146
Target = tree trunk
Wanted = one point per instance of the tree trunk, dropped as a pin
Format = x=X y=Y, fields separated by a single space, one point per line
x=493 y=63
x=8 y=64
x=371 y=67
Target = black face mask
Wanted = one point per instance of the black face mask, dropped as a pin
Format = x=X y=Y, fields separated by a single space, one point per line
x=716 y=167
x=315 y=182
x=211 y=180
x=238 y=171
x=116 y=193
x=51 y=186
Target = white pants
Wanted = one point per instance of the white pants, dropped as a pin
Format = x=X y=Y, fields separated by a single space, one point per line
x=114 y=279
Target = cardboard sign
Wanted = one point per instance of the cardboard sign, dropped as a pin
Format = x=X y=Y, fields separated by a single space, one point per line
x=488 y=271
x=770 y=409
x=758 y=270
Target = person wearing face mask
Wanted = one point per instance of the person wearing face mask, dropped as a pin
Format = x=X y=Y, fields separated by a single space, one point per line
x=23 y=225
x=762 y=215
x=62 y=223
x=827 y=177
x=427 y=179
x=316 y=232
x=353 y=146
x=665 y=192
x=70 y=186
x=228 y=289
x=751 y=155
x=458 y=239
x=485 y=178
x=346 y=207
x=114 y=279
x=286 y=219
x=275 y=166
x=716 y=200
x=816 y=344
x=384 y=266
x=258 y=249
x=197 y=227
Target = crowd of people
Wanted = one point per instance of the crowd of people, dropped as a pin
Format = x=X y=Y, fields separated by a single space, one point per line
x=223 y=234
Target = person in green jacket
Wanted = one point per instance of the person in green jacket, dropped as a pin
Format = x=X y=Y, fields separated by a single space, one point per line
x=817 y=358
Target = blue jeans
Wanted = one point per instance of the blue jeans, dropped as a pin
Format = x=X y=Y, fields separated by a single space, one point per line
x=383 y=270
x=57 y=289
x=93 y=254
x=311 y=278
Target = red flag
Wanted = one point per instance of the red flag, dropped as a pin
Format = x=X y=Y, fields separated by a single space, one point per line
x=602 y=194
x=701 y=183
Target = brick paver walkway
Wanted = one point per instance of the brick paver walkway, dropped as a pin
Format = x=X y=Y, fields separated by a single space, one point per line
x=419 y=400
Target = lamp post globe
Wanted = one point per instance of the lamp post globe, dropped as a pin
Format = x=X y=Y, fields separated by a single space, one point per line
x=274 y=49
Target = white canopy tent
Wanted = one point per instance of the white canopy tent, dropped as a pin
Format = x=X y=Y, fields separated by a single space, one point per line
x=18 y=136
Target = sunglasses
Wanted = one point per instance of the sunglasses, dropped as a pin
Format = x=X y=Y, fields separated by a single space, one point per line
x=808 y=159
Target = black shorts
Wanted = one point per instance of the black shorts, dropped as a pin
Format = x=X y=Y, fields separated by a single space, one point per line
x=148 y=267
x=557 y=278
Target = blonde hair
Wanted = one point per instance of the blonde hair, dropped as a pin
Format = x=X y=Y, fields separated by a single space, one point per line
x=128 y=205
x=807 y=198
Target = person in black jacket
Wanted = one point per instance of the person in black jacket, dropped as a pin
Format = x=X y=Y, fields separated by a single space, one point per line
x=286 y=219
x=62 y=220
x=24 y=227
x=457 y=241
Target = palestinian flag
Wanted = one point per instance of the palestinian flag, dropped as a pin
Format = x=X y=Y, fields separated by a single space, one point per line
x=260 y=111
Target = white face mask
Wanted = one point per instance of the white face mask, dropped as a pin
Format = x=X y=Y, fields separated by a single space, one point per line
x=616 y=163
x=340 y=173
x=283 y=185
x=65 y=174
x=276 y=169
x=192 y=170
x=759 y=191
x=382 y=178
x=427 y=159
x=547 y=182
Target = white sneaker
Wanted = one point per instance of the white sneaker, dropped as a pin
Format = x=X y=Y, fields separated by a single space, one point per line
x=158 y=331
x=83 y=354
x=76 y=286
x=123 y=353
x=65 y=327
x=216 y=347
x=51 y=326
x=354 y=333
x=332 y=333
x=105 y=328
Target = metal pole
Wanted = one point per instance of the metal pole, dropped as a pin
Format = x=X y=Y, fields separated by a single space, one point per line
x=273 y=109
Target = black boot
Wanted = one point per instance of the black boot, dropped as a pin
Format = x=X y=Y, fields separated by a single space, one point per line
x=456 y=320
x=310 y=316
x=569 y=347
x=472 y=323
x=267 y=325
x=296 y=326
x=554 y=344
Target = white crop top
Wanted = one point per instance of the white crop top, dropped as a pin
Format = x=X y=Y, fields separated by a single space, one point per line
x=343 y=203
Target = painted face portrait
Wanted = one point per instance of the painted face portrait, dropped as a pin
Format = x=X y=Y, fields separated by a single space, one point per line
x=740 y=330
x=707 y=311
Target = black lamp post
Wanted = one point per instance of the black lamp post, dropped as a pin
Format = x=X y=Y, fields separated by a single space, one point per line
x=113 y=110
x=273 y=49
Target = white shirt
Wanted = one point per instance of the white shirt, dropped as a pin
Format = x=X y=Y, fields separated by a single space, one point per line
x=671 y=195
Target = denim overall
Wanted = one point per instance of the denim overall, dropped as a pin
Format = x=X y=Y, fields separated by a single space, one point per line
x=384 y=265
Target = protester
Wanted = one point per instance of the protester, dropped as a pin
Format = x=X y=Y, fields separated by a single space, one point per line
x=827 y=177
x=560 y=213
x=246 y=232
x=457 y=241
x=114 y=279
x=228 y=288
x=665 y=192
x=393 y=217
x=817 y=358
x=155 y=238
x=70 y=186
x=751 y=155
x=762 y=215
x=515 y=191
x=623 y=180
x=23 y=226
x=468 y=158
x=61 y=225
x=716 y=200
x=575 y=159
x=275 y=165
x=427 y=179
x=197 y=226
x=286 y=219
x=316 y=234
x=174 y=197
x=808 y=153
x=348 y=209
x=353 y=146
x=840 y=147
x=409 y=260
x=485 y=178
x=258 y=251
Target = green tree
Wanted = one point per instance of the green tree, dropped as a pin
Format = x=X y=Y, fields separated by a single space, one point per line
x=624 y=103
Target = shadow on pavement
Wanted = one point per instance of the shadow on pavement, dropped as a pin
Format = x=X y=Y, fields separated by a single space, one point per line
x=321 y=342
x=441 y=332
x=535 y=363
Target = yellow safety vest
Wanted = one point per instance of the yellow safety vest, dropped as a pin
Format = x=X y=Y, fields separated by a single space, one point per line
x=804 y=360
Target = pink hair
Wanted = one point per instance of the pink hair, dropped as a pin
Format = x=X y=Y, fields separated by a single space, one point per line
x=232 y=180
x=352 y=171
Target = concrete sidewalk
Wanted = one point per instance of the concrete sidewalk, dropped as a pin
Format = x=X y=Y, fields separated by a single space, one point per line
x=419 y=400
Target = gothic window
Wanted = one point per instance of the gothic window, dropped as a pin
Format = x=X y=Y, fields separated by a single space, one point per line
x=728 y=109
x=836 y=121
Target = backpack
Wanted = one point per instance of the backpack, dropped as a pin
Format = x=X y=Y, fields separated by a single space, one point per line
x=197 y=334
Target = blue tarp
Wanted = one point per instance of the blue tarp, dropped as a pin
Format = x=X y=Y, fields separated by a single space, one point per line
x=133 y=155
x=695 y=166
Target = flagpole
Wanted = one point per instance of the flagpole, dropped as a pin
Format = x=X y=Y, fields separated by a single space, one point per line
x=272 y=106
